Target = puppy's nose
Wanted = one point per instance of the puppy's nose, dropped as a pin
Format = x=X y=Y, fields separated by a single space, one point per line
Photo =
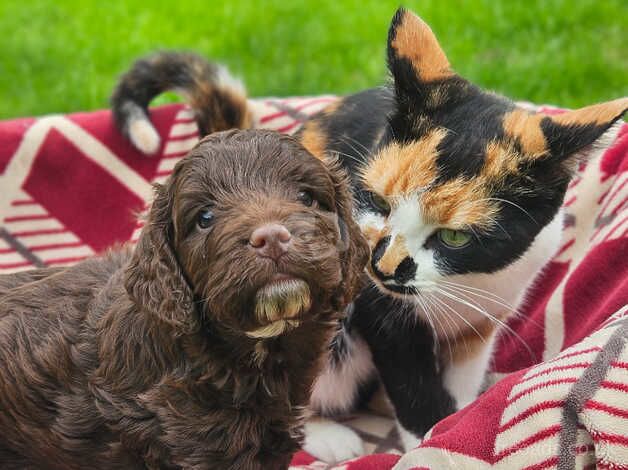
x=270 y=240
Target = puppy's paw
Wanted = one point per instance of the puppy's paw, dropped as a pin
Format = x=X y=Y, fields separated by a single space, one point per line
x=331 y=442
x=408 y=440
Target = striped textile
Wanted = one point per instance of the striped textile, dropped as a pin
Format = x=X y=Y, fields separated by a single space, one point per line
x=70 y=186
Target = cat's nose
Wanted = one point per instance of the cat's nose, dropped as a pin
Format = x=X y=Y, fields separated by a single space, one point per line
x=391 y=262
x=405 y=271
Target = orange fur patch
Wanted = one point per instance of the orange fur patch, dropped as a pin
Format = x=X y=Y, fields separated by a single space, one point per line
x=204 y=97
x=372 y=235
x=314 y=139
x=526 y=128
x=499 y=161
x=415 y=41
x=597 y=114
x=395 y=253
x=332 y=107
x=437 y=96
x=458 y=204
x=241 y=102
x=403 y=169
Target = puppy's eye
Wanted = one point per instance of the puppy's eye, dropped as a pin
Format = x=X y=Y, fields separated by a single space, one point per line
x=205 y=218
x=306 y=198
x=454 y=238
x=380 y=203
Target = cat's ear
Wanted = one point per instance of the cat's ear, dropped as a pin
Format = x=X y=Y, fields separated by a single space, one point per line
x=564 y=135
x=570 y=132
x=415 y=58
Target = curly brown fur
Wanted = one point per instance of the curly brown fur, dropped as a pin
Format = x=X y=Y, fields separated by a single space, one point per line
x=140 y=359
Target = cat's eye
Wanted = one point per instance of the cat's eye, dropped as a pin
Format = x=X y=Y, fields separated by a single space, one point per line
x=306 y=198
x=454 y=238
x=380 y=203
x=205 y=218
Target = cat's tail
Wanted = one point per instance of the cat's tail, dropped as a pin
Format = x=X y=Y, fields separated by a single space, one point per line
x=217 y=99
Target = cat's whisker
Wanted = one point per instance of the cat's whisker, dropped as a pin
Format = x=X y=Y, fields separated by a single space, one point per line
x=423 y=305
x=401 y=314
x=429 y=300
x=421 y=301
x=482 y=294
x=485 y=294
x=450 y=323
x=476 y=236
x=471 y=304
x=451 y=309
x=351 y=157
x=501 y=227
x=361 y=154
x=461 y=337
x=478 y=289
x=346 y=136
x=513 y=204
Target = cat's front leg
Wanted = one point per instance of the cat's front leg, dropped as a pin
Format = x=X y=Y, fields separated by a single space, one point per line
x=404 y=353
x=464 y=376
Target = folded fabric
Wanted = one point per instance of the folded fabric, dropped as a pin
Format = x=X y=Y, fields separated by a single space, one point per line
x=70 y=186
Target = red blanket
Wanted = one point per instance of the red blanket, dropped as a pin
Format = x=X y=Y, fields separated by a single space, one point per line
x=70 y=186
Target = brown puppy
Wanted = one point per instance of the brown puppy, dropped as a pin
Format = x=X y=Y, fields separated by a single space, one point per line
x=198 y=349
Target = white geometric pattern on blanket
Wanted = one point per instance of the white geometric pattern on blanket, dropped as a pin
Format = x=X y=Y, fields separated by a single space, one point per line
x=531 y=423
x=24 y=221
x=34 y=218
x=576 y=239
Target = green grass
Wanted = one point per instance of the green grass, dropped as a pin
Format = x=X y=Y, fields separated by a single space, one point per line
x=65 y=55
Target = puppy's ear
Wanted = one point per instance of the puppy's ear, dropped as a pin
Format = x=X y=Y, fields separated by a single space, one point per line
x=154 y=279
x=356 y=252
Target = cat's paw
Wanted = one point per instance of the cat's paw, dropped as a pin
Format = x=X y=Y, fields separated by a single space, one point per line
x=408 y=439
x=331 y=442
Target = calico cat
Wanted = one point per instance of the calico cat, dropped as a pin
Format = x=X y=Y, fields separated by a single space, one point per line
x=459 y=194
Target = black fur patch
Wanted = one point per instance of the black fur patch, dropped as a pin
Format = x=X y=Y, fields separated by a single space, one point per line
x=403 y=352
x=377 y=254
x=565 y=140
x=354 y=129
x=405 y=271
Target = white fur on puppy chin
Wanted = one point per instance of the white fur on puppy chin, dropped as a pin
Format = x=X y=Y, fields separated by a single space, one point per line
x=140 y=130
x=276 y=328
x=331 y=442
x=282 y=300
x=277 y=305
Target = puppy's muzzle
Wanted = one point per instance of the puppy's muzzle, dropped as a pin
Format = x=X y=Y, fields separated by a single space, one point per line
x=279 y=305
